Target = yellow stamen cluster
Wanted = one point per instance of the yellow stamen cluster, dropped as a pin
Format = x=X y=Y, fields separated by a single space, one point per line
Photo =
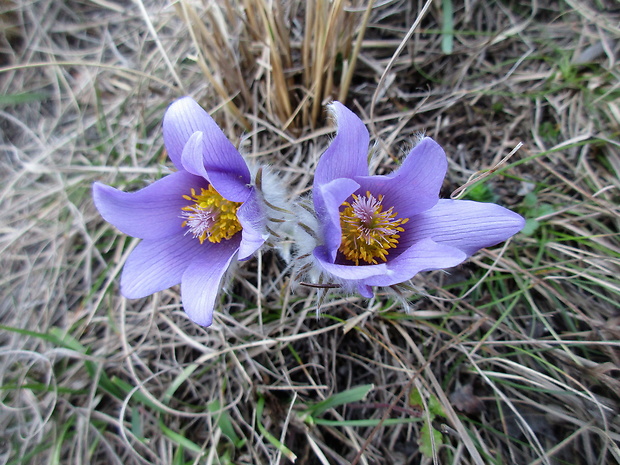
x=368 y=232
x=210 y=216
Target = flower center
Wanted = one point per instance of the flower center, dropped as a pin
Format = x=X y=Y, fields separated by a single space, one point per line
x=210 y=216
x=368 y=232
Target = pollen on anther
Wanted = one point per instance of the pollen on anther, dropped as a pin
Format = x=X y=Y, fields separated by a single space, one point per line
x=210 y=216
x=369 y=231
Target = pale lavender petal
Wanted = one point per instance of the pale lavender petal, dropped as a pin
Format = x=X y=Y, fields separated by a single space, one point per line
x=327 y=200
x=424 y=255
x=347 y=155
x=365 y=291
x=191 y=156
x=150 y=213
x=202 y=280
x=414 y=187
x=227 y=169
x=466 y=225
x=347 y=272
x=250 y=214
x=228 y=186
x=252 y=219
x=155 y=265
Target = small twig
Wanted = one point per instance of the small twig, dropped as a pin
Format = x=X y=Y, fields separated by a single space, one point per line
x=321 y=286
x=480 y=175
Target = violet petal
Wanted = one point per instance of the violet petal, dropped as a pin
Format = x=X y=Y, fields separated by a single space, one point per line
x=466 y=225
x=424 y=255
x=225 y=184
x=227 y=169
x=347 y=155
x=252 y=219
x=365 y=291
x=229 y=185
x=150 y=213
x=414 y=187
x=327 y=200
x=191 y=156
x=202 y=280
x=155 y=265
x=347 y=272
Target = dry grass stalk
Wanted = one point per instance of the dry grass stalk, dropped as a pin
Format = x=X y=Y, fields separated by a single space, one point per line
x=254 y=38
x=519 y=346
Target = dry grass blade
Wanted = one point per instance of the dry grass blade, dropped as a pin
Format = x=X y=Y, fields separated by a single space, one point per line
x=511 y=357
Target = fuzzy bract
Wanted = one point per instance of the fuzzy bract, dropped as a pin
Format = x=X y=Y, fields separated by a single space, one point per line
x=194 y=222
x=382 y=230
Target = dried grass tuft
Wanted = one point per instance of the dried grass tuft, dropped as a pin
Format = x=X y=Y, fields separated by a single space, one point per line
x=512 y=357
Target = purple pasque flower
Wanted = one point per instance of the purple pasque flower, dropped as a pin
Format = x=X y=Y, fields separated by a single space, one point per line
x=382 y=230
x=194 y=222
